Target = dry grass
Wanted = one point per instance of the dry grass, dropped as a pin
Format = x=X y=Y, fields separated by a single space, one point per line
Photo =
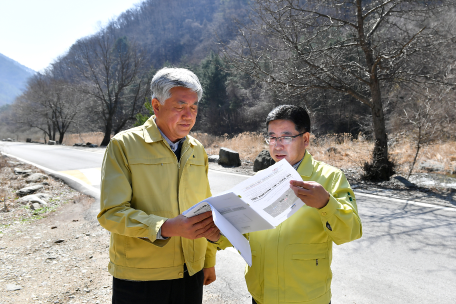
x=339 y=150
x=404 y=152
x=92 y=137
x=248 y=144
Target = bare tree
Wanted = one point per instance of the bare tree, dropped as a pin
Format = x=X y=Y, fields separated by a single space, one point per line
x=111 y=71
x=427 y=116
x=49 y=104
x=353 y=47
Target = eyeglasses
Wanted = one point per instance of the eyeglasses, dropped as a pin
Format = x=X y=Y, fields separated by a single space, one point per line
x=284 y=140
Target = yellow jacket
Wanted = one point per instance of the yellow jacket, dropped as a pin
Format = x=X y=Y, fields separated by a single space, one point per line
x=142 y=185
x=291 y=263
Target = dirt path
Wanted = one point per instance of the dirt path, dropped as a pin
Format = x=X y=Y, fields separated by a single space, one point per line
x=59 y=259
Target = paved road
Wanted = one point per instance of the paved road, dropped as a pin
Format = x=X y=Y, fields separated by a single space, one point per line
x=82 y=164
x=407 y=253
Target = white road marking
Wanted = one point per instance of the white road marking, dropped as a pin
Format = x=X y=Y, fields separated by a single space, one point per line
x=373 y=196
x=229 y=173
x=93 y=175
x=406 y=201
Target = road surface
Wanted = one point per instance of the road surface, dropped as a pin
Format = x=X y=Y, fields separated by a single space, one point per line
x=407 y=253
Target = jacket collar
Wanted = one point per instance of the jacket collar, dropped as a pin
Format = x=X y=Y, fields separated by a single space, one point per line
x=152 y=133
x=306 y=167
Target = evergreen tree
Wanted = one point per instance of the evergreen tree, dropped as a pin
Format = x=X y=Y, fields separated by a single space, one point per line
x=214 y=106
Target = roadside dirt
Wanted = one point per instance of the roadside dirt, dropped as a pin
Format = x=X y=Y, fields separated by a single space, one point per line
x=56 y=254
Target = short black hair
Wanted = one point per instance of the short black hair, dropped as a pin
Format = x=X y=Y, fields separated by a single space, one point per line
x=296 y=114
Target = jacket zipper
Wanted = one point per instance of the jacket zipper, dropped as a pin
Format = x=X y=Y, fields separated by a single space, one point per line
x=182 y=154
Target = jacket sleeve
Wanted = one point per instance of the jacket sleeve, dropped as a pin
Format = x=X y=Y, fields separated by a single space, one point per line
x=211 y=251
x=340 y=217
x=222 y=243
x=116 y=214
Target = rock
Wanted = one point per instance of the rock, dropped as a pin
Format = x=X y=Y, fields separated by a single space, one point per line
x=29 y=190
x=29 y=140
x=14 y=163
x=262 y=161
x=9 y=139
x=33 y=198
x=332 y=150
x=59 y=241
x=454 y=170
x=13 y=287
x=90 y=145
x=21 y=171
x=228 y=157
x=51 y=142
x=35 y=206
x=213 y=158
x=78 y=144
x=36 y=177
x=432 y=165
x=405 y=182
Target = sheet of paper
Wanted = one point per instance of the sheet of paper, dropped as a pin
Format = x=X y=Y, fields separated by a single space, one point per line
x=234 y=210
x=238 y=213
x=269 y=193
x=236 y=239
x=226 y=228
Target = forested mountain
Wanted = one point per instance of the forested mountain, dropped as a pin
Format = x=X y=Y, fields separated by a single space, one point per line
x=179 y=31
x=13 y=77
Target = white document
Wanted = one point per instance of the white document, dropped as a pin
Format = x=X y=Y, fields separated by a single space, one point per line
x=261 y=202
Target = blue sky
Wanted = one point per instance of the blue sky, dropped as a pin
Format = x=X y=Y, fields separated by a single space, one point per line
x=36 y=32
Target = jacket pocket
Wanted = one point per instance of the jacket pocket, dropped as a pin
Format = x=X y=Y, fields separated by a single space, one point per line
x=151 y=161
x=194 y=183
x=307 y=271
x=142 y=254
x=154 y=184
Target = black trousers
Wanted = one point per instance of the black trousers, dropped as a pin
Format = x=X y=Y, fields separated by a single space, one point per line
x=188 y=290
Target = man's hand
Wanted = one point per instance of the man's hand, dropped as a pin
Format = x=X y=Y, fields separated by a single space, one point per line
x=311 y=193
x=191 y=228
x=209 y=275
x=214 y=236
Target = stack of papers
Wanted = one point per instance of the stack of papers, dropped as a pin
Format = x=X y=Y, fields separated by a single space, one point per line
x=258 y=203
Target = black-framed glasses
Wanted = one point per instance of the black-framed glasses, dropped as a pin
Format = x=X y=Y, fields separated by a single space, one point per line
x=284 y=140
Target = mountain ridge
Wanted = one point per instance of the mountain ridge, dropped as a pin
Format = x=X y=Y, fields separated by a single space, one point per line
x=13 y=78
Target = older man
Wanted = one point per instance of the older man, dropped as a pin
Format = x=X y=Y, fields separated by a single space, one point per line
x=150 y=175
x=291 y=263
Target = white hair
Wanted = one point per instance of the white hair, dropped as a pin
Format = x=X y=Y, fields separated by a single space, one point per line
x=167 y=78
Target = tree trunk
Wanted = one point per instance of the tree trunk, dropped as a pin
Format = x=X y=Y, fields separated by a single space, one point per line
x=381 y=168
x=418 y=147
x=107 y=134
x=61 y=134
